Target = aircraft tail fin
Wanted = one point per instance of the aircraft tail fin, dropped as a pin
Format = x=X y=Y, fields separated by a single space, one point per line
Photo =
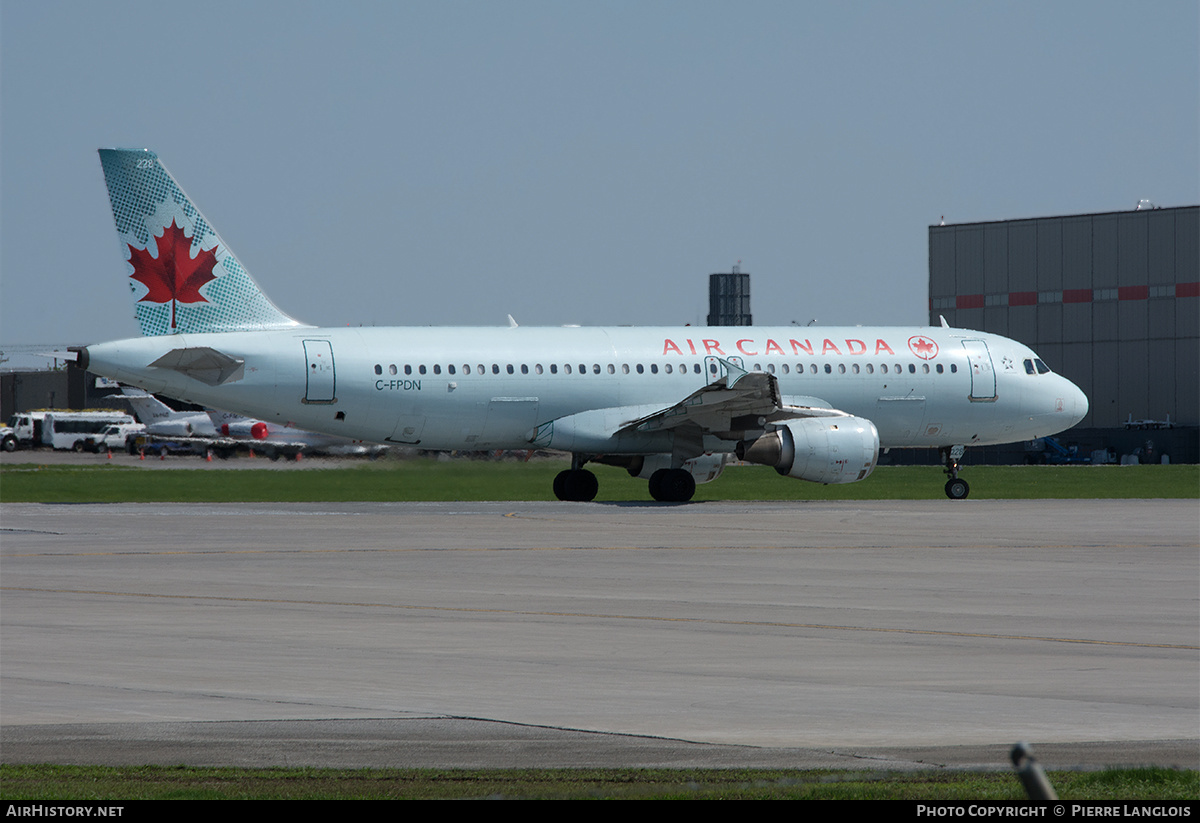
x=148 y=408
x=183 y=277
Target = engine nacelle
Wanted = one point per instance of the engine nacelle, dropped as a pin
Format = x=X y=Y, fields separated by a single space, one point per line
x=819 y=449
x=254 y=429
x=704 y=469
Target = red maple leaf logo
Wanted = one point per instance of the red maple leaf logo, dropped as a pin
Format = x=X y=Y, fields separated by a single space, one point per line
x=923 y=347
x=174 y=275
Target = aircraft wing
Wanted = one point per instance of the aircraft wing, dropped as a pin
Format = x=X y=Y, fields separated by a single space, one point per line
x=725 y=405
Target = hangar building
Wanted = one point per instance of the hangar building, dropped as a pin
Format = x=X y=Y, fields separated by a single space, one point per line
x=1111 y=301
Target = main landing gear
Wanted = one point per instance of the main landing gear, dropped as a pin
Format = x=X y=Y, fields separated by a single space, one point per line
x=666 y=485
x=576 y=483
x=956 y=487
x=672 y=485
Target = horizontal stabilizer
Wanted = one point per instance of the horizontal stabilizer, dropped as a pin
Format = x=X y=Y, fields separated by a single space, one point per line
x=205 y=364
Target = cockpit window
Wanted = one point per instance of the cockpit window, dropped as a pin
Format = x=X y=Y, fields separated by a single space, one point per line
x=1042 y=368
x=1029 y=368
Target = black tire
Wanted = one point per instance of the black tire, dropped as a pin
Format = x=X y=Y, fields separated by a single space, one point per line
x=578 y=485
x=957 y=489
x=672 y=486
x=78 y=447
x=9 y=444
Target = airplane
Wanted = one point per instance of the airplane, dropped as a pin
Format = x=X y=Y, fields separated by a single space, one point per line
x=669 y=404
x=163 y=421
x=276 y=440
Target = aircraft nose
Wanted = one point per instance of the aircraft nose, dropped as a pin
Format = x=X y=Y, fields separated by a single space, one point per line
x=1078 y=402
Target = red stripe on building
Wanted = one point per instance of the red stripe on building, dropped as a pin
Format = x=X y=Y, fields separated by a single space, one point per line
x=1077 y=295
x=968 y=301
x=1022 y=298
x=1133 y=292
x=1188 y=289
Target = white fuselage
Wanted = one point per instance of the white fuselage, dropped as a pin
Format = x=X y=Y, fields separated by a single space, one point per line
x=477 y=388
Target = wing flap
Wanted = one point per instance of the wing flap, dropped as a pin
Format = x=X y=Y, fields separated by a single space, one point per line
x=738 y=394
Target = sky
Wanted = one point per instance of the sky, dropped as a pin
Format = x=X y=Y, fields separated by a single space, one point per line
x=569 y=162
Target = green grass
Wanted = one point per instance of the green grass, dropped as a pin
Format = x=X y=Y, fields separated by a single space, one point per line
x=417 y=480
x=44 y=783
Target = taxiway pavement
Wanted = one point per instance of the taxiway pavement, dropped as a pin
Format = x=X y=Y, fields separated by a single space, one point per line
x=881 y=634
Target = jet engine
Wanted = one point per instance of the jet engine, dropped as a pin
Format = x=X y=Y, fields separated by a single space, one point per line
x=255 y=429
x=819 y=449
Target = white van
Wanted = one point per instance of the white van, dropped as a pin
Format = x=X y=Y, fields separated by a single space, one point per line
x=79 y=430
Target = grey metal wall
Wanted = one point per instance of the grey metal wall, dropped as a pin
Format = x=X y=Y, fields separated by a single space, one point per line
x=1112 y=301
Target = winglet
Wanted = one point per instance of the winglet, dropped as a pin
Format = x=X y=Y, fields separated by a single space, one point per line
x=733 y=373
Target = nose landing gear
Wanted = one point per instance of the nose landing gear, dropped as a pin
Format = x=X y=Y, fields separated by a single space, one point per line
x=956 y=488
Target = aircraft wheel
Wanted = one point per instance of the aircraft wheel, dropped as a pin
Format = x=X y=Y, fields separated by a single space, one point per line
x=957 y=489
x=672 y=486
x=579 y=485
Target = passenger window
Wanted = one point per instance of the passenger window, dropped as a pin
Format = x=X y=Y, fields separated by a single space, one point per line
x=554 y=368
x=883 y=369
x=654 y=368
x=870 y=368
x=667 y=368
x=437 y=369
x=856 y=368
x=421 y=369
x=828 y=369
x=912 y=368
x=524 y=369
x=408 y=369
x=640 y=368
x=538 y=368
x=378 y=369
x=940 y=368
x=495 y=368
x=595 y=368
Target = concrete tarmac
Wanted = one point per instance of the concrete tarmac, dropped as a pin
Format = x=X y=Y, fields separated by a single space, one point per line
x=866 y=635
